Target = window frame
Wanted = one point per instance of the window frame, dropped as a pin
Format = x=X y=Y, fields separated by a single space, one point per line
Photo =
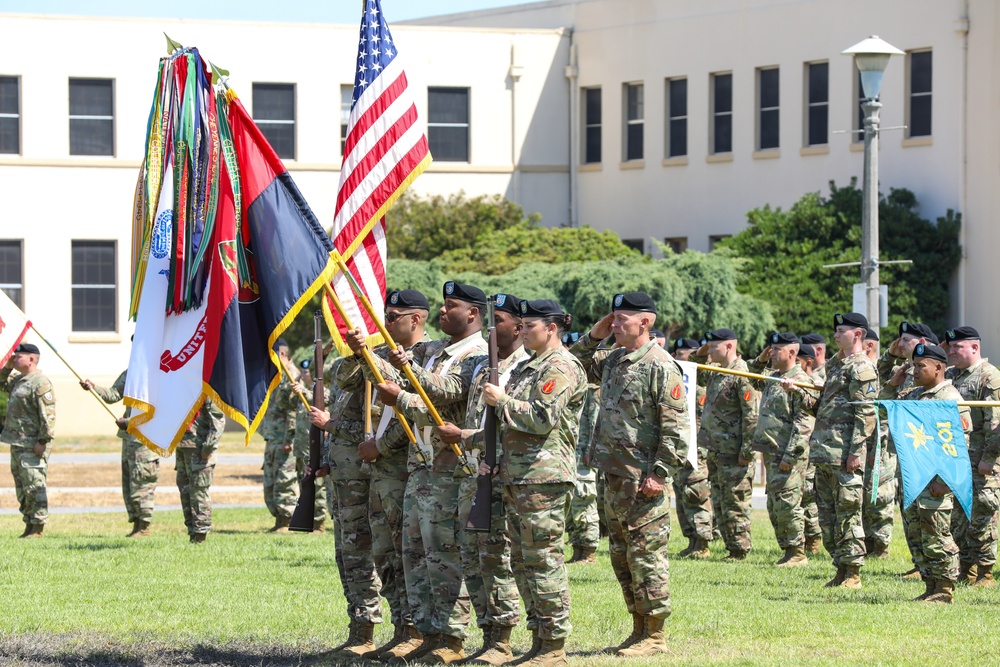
x=910 y=95
x=587 y=125
x=263 y=123
x=113 y=243
x=17 y=115
x=677 y=244
x=628 y=123
x=808 y=104
x=467 y=125
x=715 y=115
x=670 y=119
x=19 y=243
x=71 y=116
x=761 y=110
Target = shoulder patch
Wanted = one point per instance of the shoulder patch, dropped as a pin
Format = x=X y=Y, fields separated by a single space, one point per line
x=701 y=400
x=865 y=373
x=548 y=387
x=676 y=392
x=966 y=426
x=748 y=394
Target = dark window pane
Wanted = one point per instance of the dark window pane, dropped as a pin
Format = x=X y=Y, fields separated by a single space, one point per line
x=819 y=90
x=818 y=124
x=16 y=295
x=920 y=116
x=91 y=136
x=635 y=244
x=10 y=139
x=920 y=72
x=768 y=88
x=723 y=134
x=723 y=90
x=273 y=101
x=93 y=263
x=281 y=136
x=634 y=142
x=635 y=102
x=769 y=129
x=10 y=262
x=93 y=309
x=678 y=137
x=448 y=105
x=678 y=97
x=90 y=97
x=592 y=104
x=9 y=94
x=449 y=144
x=592 y=152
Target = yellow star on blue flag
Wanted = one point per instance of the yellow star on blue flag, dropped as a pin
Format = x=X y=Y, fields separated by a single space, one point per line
x=918 y=436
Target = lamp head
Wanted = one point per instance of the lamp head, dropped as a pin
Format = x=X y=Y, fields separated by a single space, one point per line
x=872 y=56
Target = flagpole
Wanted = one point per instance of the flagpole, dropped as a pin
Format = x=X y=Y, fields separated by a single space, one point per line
x=755 y=376
x=369 y=434
x=91 y=390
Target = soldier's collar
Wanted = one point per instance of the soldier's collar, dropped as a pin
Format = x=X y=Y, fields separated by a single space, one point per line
x=635 y=355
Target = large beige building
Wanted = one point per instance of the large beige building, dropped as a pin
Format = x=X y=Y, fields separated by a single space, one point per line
x=659 y=119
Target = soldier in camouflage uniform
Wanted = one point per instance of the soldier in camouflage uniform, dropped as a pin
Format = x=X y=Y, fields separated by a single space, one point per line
x=845 y=424
x=877 y=518
x=640 y=445
x=279 y=463
x=195 y=465
x=817 y=343
x=583 y=521
x=810 y=513
x=929 y=520
x=727 y=428
x=692 y=488
x=298 y=435
x=977 y=380
x=29 y=428
x=140 y=464
x=783 y=428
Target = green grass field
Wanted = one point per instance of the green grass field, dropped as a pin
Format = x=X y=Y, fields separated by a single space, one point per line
x=86 y=595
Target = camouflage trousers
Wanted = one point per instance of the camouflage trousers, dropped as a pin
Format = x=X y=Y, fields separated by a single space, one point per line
x=977 y=538
x=432 y=558
x=321 y=502
x=878 y=519
x=354 y=538
x=338 y=550
x=30 y=472
x=583 y=524
x=693 y=493
x=639 y=532
x=602 y=516
x=838 y=498
x=194 y=477
x=929 y=528
x=784 y=502
x=280 y=481
x=140 y=473
x=536 y=516
x=810 y=513
x=385 y=514
x=732 y=483
x=486 y=561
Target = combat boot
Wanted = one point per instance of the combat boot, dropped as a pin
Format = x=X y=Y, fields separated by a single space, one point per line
x=652 y=642
x=794 y=557
x=701 y=550
x=838 y=579
x=813 y=545
x=412 y=640
x=451 y=649
x=944 y=592
x=879 y=550
x=852 y=577
x=551 y=653
x=430 y=642
x=638 y=630
x=132 y=532
x=141 y=529
x=199 y=538
x=968 y=573
x=984 y=578
x=911 y=574
x=735 y=556
x=536 y=646
x=28 y=529
x=36 y=531
x=280 y=524
x=319 y=526
x=488 y=638
x=928 y=590
x=685 y=552
x=362 y=643
x=398 y=637
x=500 y=652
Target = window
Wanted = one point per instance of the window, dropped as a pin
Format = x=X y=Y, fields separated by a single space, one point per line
x=721 y=109
x=448 y=123
x=767 y=109
x=817 y=103
x=346 y=101
x=919 y=66
x=12 y=271
x=10 y=115
x=677 y=117
x=677 y=244
x=274 y=113
x=636 y=244
x=591 y=125
x=633 y=99
x=95 y=289
x=859 y=95
x=91 y=117
x=714 y=239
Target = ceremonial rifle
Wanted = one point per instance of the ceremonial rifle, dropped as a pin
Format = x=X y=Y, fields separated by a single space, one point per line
x=482 y=504
x=305 y=508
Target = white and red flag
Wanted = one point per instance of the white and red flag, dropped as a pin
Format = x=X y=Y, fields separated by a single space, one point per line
x=13 y=325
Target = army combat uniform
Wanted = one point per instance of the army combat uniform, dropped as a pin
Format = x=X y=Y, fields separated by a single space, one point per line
x=195 y=466
x=693 y=492
x=583 y=521
x=298 y=435
x=279 y=465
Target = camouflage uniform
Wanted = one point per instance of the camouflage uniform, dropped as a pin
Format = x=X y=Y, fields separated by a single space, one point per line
x=843 y=429
x=978 y=538
x=640 y=429
x=880 y=513
x=298 y=435
x=810 y=513
x=693 y=491
x=583 y=522
x=279 y=466
x=30 y=419
x=140 y=464
x=195 y=465
x=727 y=428
x=539 y=424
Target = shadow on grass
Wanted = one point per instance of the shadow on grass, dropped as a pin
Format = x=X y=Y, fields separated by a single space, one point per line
x=103 y=545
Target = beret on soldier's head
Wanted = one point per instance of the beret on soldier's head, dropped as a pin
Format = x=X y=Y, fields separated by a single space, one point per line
x=508 y=303
x=962 y=333
x=638 y=301
x=468 y=293
x=720 y=334
x=922 y=351
x=853 y=320
x=408 y=298
x=813 y=339
x=919 y=330
x=280 y=343
x=570 y=338
x=786 y=338
x=541 y=308
x=806 y=351
x=686 y=344
x=871 y=334
x=27 y=348
x=656 y=333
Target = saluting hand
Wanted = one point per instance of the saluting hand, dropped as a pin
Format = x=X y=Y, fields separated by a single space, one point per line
x=388 y=392
x=895 y=348
x=602 y=329
x=900 y=375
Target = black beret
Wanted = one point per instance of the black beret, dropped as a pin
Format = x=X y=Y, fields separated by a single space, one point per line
x=807 y=351
x=871 y=334
x=917 y=329
x=922 y=351
x=281 y=342
x=27 y=348
x=508 y=303
x=656 y=333
x=702 y=340
x=540 y=308
x=962 y=333
x=408 y=298
x=813 y=339
x=720 y=334
x=854 y=320
x=639 y=301
x=470 y=293
x=686 y=344
x=570 y=338
x=786 y=338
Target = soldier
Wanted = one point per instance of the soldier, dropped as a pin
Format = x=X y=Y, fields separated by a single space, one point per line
x=692 y=488
x=727 y=428
x=279 y=463
x=929 y=520
x=659 y=337
x=140 y=464
x=818 y=344
x=639 y=445
x=195 y=465
x=782 y=436
x=298 y=435
x=977 y=380
x=810 y=513
x=845 y=423
x=878 y=517
x=583 y=523
x=29 y=428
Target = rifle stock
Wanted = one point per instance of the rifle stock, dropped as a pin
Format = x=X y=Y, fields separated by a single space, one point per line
x=305 y=508
x=482 y=504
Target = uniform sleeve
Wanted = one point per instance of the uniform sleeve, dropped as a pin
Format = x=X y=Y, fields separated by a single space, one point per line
x=991 y=420
x=451 y=387
x=350 y=374
x=674 y=421
x=540 y=413
x=749 y=412
x=592 y=359
x=863 y=387
x=114 y=393
x=5 y=382
x=46 y=401
x=802 y=402
x=887 y=365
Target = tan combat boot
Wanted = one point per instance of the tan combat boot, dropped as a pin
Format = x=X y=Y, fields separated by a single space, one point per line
x=944 y=592
x=319 y=526
x=536 y=646
x=880 y=551
x=199 y=538
x=701 y=550
x=686 y=551
x=28 y=530
x=968 y=573
x=928 y=590
x=398 y=637
x=141 y=529
x=280 y=524
x=794 y=557
x=132 y=532
x=36 y=531
x=984 y=577
x=911 y=574
x=412 y=640
x=500 y=652
x=638 y=630
x=362 y=643
x=838 y=579
x=488 y=638
x=551 y=654
x=451 y=649
x=852 y=577
x=652 y=643
x=813 y=545
x=429 y=643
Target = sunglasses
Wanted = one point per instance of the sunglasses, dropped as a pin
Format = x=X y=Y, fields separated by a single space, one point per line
x=392 y=317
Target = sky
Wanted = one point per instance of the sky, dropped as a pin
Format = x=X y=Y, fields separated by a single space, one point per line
x=293 y=11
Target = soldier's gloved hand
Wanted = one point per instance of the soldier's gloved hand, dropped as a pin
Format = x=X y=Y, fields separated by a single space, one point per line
x=985 y=468
x=652 y=486
x=492 y=394
x=355 y=340
x=122 y=423
x=367 y=451
x=602 y=329
x=938 y=489
x=87 y=385
x=398 y=358
x=388 y=392
x=318 y=417
x=39 y=449
x=450 y=433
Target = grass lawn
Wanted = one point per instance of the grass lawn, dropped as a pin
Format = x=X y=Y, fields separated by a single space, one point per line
x=84 y=595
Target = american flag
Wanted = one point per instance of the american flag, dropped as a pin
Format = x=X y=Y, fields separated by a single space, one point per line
x=385 y=151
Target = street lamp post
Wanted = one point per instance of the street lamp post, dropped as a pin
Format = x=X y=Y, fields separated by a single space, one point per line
x=872 y=56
